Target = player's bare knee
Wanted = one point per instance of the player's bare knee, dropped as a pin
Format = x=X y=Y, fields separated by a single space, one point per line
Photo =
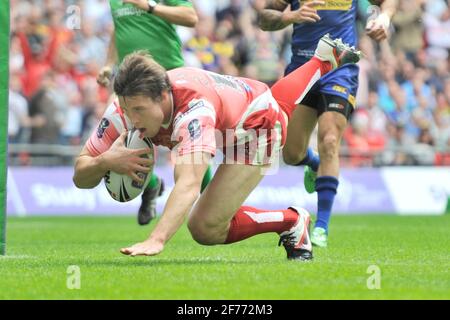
x=200 y=232
x=328 y=146
x=293 y=156
x=193 y=225
x=208 y=232
x=203 y=237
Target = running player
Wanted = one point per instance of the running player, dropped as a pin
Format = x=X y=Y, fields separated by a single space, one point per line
x=332 y=99
x=193 y=112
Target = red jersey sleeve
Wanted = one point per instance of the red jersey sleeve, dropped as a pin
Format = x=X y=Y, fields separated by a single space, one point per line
x=102 y=138
x=108 y=130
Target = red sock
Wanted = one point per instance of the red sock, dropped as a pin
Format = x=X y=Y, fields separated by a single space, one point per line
x=291 y=89
x=249 y=221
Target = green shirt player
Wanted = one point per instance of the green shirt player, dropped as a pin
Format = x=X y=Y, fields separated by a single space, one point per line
x=148 y=25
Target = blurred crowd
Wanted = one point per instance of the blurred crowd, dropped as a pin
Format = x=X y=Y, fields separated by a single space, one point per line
x=403 y=103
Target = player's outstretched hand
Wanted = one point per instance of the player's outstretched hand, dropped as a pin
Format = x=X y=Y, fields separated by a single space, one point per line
x=146 y=248
x=378 y=28
x=104 y=76
x=307 y=12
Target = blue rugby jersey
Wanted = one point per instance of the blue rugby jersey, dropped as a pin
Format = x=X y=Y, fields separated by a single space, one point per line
x=338 y=18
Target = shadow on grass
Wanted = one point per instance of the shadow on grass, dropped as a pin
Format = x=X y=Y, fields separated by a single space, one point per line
x=157 y=261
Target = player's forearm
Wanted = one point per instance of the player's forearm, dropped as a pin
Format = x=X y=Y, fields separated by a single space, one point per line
x=183 y=16
x=112 y=57
x=389 y=7
x=89 y=171
x=25 y=46
x=178 y=205
x=272 y=20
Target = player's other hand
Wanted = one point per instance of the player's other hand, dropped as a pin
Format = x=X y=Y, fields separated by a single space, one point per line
x=378 y=28
x=147 y=248
x=307 y=12
x=123 y=160
x=104 y=76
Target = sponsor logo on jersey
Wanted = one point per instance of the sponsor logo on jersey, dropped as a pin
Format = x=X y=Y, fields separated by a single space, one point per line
x=304 y=53
x=224 y=80
x=230 y=81
x=192 y=106
x=337 y=106
x=196 y=104
x=340 y=5
x=125 y=12
x=194 y=129
x=340 y=89
x=104 y=124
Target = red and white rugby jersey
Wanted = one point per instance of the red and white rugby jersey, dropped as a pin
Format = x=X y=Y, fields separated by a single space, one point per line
x=215 y=111
x=112 y=124
x=211 y=111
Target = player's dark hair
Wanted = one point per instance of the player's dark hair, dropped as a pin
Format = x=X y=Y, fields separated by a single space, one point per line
x=139 y=74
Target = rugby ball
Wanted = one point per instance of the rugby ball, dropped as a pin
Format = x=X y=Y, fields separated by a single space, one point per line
x=120 y=186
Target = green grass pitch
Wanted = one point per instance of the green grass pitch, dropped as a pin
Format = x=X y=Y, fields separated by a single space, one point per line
x=412 y=253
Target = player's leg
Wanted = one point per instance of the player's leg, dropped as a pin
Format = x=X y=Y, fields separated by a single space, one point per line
x=210 y=218
x=333 y=119
x=296 y=152
x=331 y=129
x=288 y=92
x=303 y=118
x=293 y=89
x=219 y=217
